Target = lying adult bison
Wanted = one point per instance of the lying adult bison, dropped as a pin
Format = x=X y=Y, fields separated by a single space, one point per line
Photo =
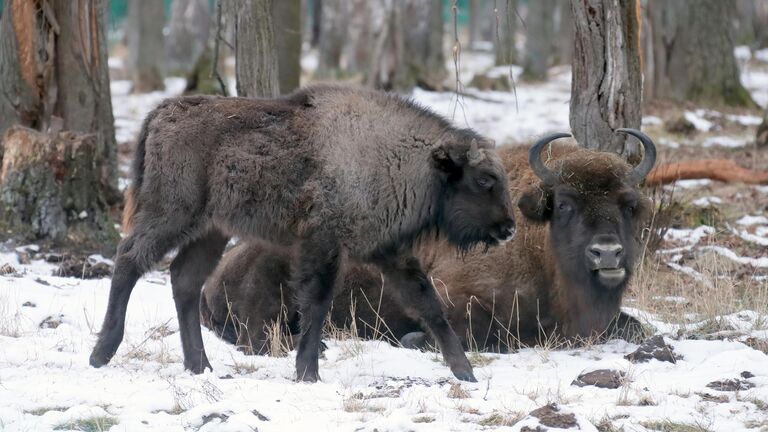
x=338 y=171
x=579 y=219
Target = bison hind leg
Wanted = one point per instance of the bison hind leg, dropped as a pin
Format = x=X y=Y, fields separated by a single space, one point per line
x=314 y=278
x=193 y=264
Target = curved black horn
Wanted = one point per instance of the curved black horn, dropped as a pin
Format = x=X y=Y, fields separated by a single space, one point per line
x=534 y=158
x=649 y=157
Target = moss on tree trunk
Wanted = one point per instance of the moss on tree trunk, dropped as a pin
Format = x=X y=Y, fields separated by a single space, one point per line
x=692 y=53
x=51 y=190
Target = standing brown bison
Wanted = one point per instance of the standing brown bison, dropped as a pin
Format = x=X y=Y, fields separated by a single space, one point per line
x=579 y=219
x=338 y=171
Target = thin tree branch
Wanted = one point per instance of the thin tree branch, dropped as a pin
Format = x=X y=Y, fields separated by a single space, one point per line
x=215 y=65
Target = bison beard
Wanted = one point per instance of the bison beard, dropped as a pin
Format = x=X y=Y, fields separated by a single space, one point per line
x=542 y=285
x=337 y=171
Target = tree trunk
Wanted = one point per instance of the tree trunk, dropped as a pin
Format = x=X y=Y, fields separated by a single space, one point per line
x=333 y=32
x=24 y=38
x=538 y=44
x=759 y=19
x=49 y=189
x=359 y=36
x=317 y=18
x=144 y=28
x=692 y=53
x=84 y=101
x=382 y=46
x=54 y=76
x=761 y=138
x=255 y=51
x=287 y=26
x=605 y=88
x=188 y=35
x=482 y=21
x=505 y=27
x=474 y=23
x=563 y=48
x=419 y=45
x=199 y=79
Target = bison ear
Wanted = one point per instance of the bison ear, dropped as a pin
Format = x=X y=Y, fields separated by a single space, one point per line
x=536 y=204
x=443 y=161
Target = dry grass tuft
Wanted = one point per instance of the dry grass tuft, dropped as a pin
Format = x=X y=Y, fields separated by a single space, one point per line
x=456 y=391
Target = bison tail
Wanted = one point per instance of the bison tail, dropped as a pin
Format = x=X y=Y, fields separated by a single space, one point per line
x=129 y=211
x=131 y=201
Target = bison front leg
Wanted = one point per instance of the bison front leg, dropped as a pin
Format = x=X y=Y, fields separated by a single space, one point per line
x=416 y=294
x=314 y=277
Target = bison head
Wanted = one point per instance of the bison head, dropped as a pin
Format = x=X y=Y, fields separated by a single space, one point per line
x=476 y=207
x=594 y=210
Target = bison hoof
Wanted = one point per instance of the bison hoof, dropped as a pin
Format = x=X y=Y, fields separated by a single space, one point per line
x=467 y=376
x=307 y=376
x=98 y=360
x=199 y=367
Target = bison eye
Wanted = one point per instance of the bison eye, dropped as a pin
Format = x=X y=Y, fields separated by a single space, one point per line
x=563 y=206
x=485 y=182
x=630 y=208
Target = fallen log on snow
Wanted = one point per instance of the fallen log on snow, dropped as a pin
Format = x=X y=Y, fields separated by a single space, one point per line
x=723 y=170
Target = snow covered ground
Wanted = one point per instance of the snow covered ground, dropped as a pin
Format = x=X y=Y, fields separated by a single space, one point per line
x=48 y=325
x=46 y=383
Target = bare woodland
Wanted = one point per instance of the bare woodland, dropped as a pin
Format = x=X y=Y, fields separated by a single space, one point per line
x=78 y=78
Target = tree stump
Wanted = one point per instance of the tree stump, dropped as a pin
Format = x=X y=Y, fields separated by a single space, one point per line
x=51 y=190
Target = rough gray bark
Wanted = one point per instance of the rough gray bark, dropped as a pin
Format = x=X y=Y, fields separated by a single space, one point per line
x=759 y=20
x=20 y=101
x=538 y=45
x=692 y=53
x=287 y=26
x=50 y=191
x=385 y=44
x=482 y=21
x=563 y=40
x=359 y=33
x=605 y=88
x=255 y=50
x=504 y=34
x=81 y=79
x=144 y=30
x=761 y=138
x=420 y=30
x=188 y=35
x=58 y=54
x=199 y=79
x=317 y=16
x=405 y=45
x=333 y=33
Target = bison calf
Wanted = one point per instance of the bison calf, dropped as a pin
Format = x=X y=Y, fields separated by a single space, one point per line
x=579 y=220
x=338 y=171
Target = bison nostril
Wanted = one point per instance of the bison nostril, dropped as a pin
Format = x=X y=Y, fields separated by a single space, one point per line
x=594 y=253
x=610 y=253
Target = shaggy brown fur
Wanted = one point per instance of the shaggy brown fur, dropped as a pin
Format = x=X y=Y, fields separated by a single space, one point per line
x=338 y=171
x=533 y=288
